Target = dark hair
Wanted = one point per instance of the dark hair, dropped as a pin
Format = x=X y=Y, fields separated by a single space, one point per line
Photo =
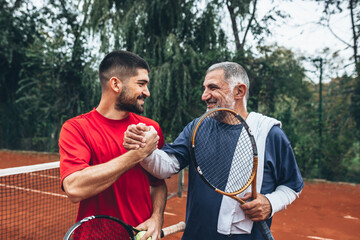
x=120 y=64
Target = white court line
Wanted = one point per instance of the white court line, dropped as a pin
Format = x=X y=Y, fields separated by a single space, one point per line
x=171 y=214
x=42 y=175
x=32 y=190
x=319 y=238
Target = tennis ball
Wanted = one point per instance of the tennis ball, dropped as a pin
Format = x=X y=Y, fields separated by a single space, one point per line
x=140 y=234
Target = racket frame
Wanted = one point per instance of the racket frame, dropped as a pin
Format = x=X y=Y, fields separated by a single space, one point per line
x=179 y=227
x=252 y=178
x=128 y=227
x=264 y=228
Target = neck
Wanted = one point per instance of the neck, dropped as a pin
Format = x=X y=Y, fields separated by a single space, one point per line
x=241 y=110
x=107 y=109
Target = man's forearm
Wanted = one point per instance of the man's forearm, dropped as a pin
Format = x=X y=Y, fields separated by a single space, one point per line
x=94 y=179
x=161 y=164
x=158 y=199
x=281 y=198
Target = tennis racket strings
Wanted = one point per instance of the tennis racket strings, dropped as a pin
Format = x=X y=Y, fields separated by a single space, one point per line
x=224 y=154
x=224 y=151
x=101 y=228
x=107 y=228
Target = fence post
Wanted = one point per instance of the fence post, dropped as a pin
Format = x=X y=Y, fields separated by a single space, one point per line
x=181 y=183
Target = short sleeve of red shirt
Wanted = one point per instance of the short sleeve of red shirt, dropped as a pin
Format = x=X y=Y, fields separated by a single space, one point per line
x=74 y=152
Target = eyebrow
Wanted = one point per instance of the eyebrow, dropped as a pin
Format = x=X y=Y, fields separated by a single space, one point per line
x=211 y=85
x=143 y=80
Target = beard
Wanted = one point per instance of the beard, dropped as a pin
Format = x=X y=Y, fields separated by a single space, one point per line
x=224 y=103
x=126 y=103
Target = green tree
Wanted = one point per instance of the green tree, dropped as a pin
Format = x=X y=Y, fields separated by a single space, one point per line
x=17 y=32
x=246 y=24
x=178 y=40
x=340 y=134
x=48 y=72
x=56 y=77
x=342 y=101
x=332 y=7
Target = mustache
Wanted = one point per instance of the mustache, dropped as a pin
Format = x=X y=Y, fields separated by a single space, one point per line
x=211 y=100
x=142 y=96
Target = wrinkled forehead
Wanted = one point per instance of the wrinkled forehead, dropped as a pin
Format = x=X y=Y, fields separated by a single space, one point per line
x=215 y=77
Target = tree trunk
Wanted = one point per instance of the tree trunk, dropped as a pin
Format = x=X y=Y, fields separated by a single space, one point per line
x=355 y=38
x=238 y=45
x=250 y=22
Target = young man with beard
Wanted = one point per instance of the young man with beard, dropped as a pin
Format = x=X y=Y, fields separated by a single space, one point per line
x=96 y=170
x=210 y=215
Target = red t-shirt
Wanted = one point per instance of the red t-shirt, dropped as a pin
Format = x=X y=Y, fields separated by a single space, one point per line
x=91 y=139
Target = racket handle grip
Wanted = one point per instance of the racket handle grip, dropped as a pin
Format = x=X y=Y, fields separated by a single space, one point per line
x=265 y=230
x=179 y=227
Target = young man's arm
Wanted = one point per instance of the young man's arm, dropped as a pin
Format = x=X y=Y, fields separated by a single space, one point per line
x=153 y=225
x=92 y=180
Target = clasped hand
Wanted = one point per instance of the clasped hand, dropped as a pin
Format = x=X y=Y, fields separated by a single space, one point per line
x=139 y=137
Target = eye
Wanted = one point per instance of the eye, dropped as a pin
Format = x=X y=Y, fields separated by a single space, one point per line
x=213 y=87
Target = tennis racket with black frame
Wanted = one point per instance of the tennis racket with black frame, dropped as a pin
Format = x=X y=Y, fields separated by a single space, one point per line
x=108 y=228
x=224 y=154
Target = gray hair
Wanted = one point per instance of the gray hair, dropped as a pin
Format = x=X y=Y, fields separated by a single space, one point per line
x=233 y=74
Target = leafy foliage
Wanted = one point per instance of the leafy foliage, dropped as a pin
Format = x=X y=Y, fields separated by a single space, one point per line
x=51 y=75
x=17 y=27
x=178 y=41
x=48 y=73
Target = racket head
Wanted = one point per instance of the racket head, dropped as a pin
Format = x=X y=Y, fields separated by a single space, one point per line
x=223 y=151
x=100 y=227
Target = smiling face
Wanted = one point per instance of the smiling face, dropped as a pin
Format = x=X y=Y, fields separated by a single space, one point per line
x=217 y=92
x=134 y=92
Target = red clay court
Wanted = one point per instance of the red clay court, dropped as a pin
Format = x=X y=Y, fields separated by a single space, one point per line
x=324 y=211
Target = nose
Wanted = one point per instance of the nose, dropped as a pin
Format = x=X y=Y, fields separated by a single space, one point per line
x=205 y=96
x=146 y=92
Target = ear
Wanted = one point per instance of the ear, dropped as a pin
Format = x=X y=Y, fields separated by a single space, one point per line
x=240 y=91
x=115 y=84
